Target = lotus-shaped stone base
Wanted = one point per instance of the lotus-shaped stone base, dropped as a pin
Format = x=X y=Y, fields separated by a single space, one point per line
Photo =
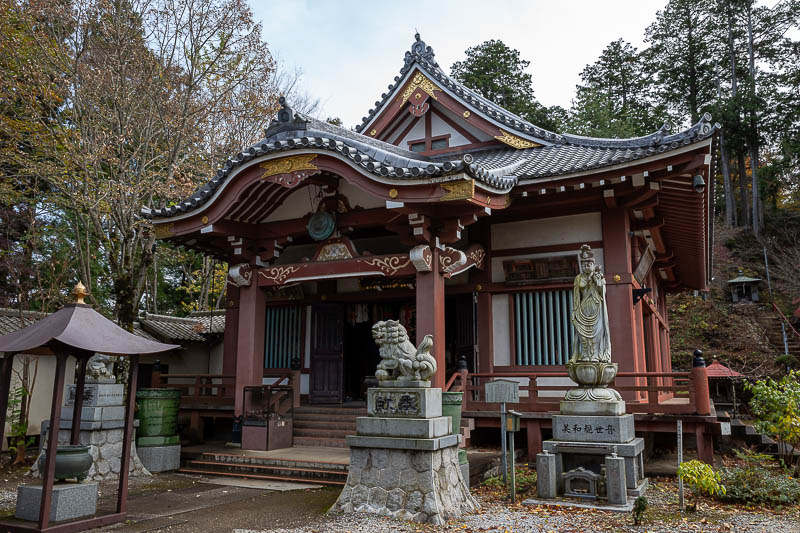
x=592 y=373
x=593 y=397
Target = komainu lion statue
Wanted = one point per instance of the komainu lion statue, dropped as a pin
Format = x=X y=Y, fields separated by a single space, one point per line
x=400 y=361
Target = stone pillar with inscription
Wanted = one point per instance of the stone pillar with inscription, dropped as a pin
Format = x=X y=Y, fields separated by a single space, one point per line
x=403 y=458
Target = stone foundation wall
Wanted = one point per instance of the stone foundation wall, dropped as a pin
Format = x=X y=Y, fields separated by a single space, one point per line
x=420 y=486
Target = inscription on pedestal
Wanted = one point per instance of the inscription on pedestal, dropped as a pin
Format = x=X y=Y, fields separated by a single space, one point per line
x=397 y=403
x=98 y=394
x=404 y=402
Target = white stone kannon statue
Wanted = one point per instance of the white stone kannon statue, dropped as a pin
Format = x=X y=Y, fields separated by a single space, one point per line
x=590 y=365
x=590 y=315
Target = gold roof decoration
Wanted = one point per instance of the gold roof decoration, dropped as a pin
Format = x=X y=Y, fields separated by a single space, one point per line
x=79 y=292
x=514 y=141
x=419 y=81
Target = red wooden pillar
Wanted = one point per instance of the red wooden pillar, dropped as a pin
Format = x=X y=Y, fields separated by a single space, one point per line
x=619 y=296
x=485 y=333
x=430 y=315
x=231 y=338
x=534 y=431
x=250 y=340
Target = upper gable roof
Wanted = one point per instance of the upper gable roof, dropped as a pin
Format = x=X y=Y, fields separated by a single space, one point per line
x=421 y=58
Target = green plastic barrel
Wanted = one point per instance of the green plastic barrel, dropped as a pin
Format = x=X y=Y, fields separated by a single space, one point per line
x=157 y=411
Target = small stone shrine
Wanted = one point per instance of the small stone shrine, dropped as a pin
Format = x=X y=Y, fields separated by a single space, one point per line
x=102 y=421
x=594 y=454
x=403 y=458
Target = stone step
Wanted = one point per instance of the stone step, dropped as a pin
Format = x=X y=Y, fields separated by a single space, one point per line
x=315 y=441
x=272 y=461
x=330 y=411
x=261 y=476
x=333 y=424
x=276 y=470
x=323 y=433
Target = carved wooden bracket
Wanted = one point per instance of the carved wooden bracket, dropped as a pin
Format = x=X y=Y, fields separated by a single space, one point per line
x=240 y=275
x=451 y=260
x=474 y=256
x=422 y=258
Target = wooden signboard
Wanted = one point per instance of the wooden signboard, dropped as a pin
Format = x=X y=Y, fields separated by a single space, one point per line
x=541 y=269
x=645 y=263
x=502 y=391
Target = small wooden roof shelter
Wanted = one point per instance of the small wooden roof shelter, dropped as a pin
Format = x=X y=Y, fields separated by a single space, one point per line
x=80 y=331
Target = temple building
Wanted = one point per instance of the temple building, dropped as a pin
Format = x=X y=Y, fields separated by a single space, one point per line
x=463 y=221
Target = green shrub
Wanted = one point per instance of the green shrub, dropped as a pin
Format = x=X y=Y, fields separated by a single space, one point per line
x=759 y=481
x=702 y=479
x=639 y=507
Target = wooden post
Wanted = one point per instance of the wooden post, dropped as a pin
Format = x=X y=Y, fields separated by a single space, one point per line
x=5 y=390
x=77 y=409
x=127 y=438
x=619 y=296
x=155 y=376
x=700 y=381
x=250 y=340
x=52 y=441
x=680 y=460
x=430 y=315
x=230 y=340
x=534 y=439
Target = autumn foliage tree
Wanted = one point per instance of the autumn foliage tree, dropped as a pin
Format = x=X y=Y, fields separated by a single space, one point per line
x=151 y=94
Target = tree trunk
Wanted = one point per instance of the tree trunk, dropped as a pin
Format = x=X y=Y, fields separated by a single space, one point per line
x=730 y=202
x=753 y=135
x=745 y=206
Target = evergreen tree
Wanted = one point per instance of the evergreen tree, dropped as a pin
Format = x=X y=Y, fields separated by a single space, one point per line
x=497 y=73
x=614 y=100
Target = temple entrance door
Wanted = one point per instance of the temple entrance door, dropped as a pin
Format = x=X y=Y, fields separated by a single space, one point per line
x=326 y=354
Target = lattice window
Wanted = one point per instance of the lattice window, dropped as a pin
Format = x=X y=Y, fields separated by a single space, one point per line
x=542 y=327
x=284 y=336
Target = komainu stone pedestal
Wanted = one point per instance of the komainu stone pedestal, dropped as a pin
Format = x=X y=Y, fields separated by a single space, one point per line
x=404 y=461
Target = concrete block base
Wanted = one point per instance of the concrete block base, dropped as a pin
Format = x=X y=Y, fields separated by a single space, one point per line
x=160 y=458
x=70 y=501
x=592 y=408
x=171 y=440
x=416 y=428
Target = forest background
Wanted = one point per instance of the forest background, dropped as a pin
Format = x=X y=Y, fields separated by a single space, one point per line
x=108 y=106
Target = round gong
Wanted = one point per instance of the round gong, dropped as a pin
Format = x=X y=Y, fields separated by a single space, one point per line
x=321 y=225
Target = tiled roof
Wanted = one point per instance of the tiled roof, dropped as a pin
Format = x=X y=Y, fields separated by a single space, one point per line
x=10 y=322
x=495 y=168
x=195 y=328
x=718 y=370
x=10 y=319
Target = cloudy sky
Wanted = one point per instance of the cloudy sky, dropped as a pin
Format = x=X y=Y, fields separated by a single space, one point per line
x=350 y=50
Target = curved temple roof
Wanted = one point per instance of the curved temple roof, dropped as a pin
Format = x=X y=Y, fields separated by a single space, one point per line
x=80 y=327
x=497 y=168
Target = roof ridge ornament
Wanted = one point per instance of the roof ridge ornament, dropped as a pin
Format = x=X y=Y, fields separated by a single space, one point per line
x=420 y=50
x=286 y=119
x=79 y=292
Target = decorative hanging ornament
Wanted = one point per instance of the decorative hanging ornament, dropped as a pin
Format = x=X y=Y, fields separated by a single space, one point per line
x=321 y=225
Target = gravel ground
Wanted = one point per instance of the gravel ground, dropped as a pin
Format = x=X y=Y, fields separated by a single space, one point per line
x=499 y=516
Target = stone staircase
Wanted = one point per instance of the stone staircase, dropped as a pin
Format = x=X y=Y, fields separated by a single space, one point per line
x=316 y=425
x=276 y=469
x=771 y=323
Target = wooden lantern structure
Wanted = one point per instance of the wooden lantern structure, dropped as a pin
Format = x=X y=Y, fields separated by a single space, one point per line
x=80 y=331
